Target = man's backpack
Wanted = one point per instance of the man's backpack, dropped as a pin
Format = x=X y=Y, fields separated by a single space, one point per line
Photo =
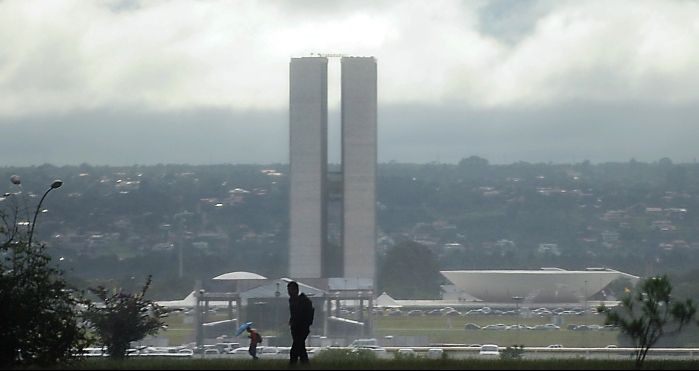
x=259 y=338
x=310 y=312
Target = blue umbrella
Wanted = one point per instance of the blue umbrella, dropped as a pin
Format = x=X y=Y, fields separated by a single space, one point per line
x=242 y=328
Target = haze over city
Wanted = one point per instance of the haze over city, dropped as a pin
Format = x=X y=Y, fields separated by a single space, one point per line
x=129 y=82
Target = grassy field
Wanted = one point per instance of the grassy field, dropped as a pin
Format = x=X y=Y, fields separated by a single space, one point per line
x=441 y=329
x=177 y=331
x=343 y=364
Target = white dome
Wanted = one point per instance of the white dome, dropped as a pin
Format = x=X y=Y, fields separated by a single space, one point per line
x=240 y=276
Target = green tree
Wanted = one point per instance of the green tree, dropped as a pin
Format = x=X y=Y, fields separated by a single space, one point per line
x=410 y=271
x=39 y=312
x=513 y=352
x=124 y=317
x=646 y=314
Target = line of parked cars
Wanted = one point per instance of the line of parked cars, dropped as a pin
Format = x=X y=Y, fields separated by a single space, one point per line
x=501 y=326
x=450 y=311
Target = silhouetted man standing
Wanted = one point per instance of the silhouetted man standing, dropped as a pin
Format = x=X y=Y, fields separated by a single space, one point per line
x=300 y=321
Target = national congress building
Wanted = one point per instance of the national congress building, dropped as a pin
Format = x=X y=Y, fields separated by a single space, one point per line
x=308 y=174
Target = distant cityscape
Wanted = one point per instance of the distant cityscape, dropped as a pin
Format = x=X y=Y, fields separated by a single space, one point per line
x=182 y=222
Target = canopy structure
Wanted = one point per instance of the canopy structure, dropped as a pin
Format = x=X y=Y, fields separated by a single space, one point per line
x=240 y=276
x=548 y=285
x=386 y=301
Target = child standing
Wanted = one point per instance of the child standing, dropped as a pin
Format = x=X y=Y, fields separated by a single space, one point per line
x=255 y=338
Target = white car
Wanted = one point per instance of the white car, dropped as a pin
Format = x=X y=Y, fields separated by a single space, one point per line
x=362 y=343
x=94 y=352
x=268 y=352
x=381 y=353
x=186 y=351
x=489 y=350
x=405 y=352
x=435 y=353
x=242 y=352
x=209 y=352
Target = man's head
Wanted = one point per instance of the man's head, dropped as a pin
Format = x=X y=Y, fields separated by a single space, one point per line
x=248 y=329
x=293 y=289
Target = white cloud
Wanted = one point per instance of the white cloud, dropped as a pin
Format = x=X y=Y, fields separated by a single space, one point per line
x=162 y=55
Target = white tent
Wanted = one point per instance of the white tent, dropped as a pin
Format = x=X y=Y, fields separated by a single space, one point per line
x=386 y=301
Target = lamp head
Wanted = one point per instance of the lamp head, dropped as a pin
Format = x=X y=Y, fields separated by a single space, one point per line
x=56 y=183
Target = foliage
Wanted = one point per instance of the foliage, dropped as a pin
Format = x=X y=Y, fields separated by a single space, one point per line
x=646 y=314
x=513 y=352
x=410 y=270
x=39 y=312
x=124 y=317
x=345 y=355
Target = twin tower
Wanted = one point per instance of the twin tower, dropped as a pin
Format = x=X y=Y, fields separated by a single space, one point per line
x=309 y=177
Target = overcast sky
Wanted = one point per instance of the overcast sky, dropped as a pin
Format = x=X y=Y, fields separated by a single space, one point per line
x=141 y=82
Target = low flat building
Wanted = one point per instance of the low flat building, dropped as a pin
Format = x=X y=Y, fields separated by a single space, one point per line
x=550 y=285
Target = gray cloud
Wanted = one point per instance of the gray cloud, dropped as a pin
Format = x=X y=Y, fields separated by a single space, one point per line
x=407 y=133
x=125 y=81
x=171 y=55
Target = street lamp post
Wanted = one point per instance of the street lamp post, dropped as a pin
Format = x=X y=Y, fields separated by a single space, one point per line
x=55 y=184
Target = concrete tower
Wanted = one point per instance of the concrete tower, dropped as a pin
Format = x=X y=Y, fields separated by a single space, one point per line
x=359 y=147
x=308 y=137
x=308 y=167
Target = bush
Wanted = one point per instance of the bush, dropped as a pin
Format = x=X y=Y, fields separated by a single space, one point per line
x=513 y=352
x=344 y=355
x=125 y=317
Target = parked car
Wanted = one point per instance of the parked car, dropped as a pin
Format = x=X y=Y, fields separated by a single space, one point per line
x=555 y=346
x=267 y=352
x=435 y=353
x=132 y=352
x=227 y=347
x=416 y=312
x=380 y=352
x=364 y=343
x=94 y=352
x=405 y=352
x=489 y=350
x=241 y=352
x=186 y=351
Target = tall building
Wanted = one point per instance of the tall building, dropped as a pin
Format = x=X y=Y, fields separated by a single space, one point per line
x=359 y=166
x=308 y=158
x=308 y=168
